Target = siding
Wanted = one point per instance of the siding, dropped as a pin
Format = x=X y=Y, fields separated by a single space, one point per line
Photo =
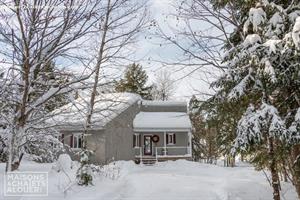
x=95 y=142
x=119 y=134
x=162 y=108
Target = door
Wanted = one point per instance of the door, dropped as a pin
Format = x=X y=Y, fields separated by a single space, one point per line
x=147 y=145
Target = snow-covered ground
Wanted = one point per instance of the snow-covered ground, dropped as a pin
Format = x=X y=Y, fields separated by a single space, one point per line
x=164 y=181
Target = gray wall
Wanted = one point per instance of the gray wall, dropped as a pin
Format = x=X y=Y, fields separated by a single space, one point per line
x=119 y=135
x=95 y=142
x=162 y=108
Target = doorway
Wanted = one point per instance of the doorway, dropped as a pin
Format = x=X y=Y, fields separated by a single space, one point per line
x=148 y=145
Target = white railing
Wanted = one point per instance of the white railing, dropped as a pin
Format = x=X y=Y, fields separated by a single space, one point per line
x=169 y=151
x=174 y=151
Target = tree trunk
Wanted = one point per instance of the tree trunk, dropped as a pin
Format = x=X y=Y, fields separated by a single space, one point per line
x=296 y=166
x=97 y=73
x=273 y=169
x=13 y=161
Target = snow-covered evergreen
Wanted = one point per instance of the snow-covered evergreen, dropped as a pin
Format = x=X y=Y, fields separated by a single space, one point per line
x=264 y=69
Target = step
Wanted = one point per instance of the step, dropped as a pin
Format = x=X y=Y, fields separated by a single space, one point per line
x=149 y=161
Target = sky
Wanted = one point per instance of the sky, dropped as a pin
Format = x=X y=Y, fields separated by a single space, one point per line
x=149 y=52
x=149 y=49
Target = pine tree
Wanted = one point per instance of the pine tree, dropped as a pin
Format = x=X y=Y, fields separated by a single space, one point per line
x=204 y=133
x=46 y=76
x=84 y=175
x=134 y=81
x=264 y=66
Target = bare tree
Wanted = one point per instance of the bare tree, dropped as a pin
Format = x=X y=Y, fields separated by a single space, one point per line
x=33 y=34
x=118 y=30
x=164 y=86
x=199 y=31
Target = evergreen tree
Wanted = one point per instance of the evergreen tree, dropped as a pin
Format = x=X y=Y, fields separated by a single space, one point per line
x=263 y=66
x=204 y=141
x=134 y=81
x=46 y=76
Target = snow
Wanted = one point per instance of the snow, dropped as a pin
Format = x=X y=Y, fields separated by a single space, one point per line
x=296 y=33
x=107 y=107
x=239 y=89
x=269 y=70
x=63 y=163
x=257 y=16
x=162 y=120
x=293 y=16
x=179 y=179
x=253 y=123
x=297 y=116
x=276 y=19
x=272 y=44
x=251 y=40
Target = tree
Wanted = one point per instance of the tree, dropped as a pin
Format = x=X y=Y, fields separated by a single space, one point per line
x=135 y=80
x=120 y=24
x=164 y=86
x=200 y=32
x=205 y=146
x=261 y=66
x=34 y=34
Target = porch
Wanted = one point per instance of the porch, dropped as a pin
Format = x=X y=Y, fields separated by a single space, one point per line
x=162 y=145
x=162 y=135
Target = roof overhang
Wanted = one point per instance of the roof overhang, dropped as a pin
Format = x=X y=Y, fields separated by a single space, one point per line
x=138 y=130
x=77 y=128
x=162 y=121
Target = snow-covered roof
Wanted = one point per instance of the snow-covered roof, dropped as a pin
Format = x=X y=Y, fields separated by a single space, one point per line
x=162 y=120
x=107 y=107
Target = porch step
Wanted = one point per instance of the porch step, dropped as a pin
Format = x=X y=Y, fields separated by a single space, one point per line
x=149 y=161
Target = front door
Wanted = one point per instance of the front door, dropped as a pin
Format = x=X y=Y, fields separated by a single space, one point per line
x=147 y=145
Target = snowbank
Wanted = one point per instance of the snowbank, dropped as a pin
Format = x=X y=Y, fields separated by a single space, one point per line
x=179 y=179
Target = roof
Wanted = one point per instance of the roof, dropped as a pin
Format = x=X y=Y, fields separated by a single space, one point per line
x=162 y=120
x=107 y=107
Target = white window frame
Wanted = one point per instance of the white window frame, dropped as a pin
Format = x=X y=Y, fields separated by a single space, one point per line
x=137 y=140
x=170 y=136
x=77 y=136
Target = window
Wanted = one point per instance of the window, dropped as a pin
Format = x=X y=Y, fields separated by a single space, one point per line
x=136 y=140
x=171 y=138
x=76 y=141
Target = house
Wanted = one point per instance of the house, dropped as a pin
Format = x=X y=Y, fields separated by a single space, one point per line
x=125 y=127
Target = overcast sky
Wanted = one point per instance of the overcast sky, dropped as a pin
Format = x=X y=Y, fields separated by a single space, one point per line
x=149 y=50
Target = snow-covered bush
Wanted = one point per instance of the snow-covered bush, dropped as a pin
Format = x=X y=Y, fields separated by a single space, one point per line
x=84 y=175
x=43 y=148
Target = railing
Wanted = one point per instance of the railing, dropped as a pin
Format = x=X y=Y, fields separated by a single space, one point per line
x=169 y=151
x=172 y=151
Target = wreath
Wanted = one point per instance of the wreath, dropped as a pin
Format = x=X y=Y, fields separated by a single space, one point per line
x=155 y=138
